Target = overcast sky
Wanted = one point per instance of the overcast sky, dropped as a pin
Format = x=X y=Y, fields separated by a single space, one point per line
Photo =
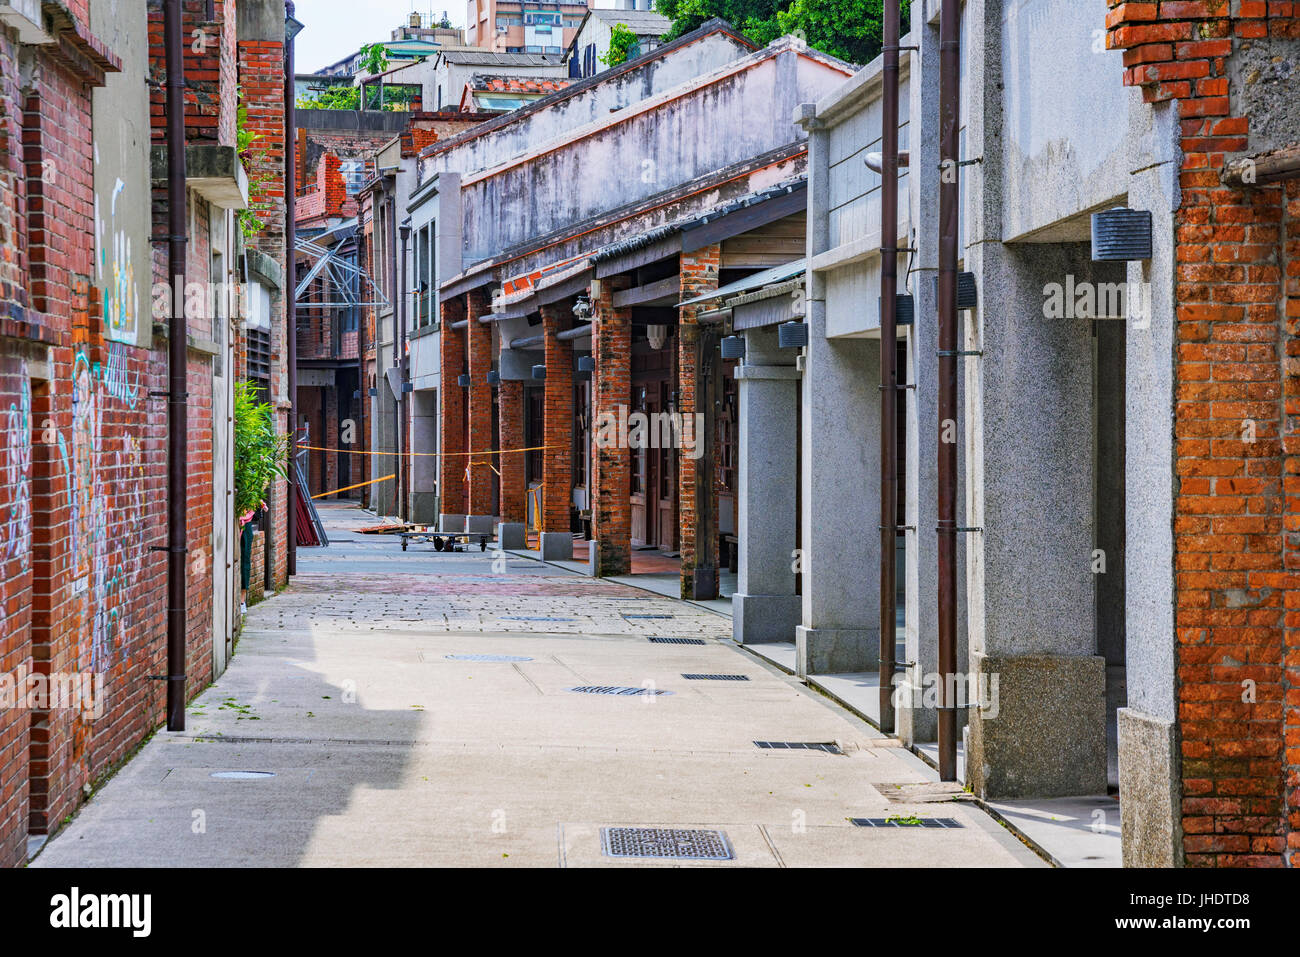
x=335 y=28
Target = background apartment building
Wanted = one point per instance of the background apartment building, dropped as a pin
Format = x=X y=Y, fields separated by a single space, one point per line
x=522 y=26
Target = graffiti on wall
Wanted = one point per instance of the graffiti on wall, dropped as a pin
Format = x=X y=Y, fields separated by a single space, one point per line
x=115 y=271
x=106 y=501
x=16 y=475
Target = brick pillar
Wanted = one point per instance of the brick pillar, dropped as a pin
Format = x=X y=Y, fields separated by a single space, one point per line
x=699 y=274
x=510 y=400
x=479 y=339
x=1228 y=736
x=451 y=419
x=557 y=460
x=611 y=460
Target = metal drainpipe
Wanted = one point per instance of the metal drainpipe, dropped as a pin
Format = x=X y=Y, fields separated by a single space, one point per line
x=291 y=310
x=397 y=405
x=949 y=146
x=363 y=389
x=177 y=358
x=402 y=491
x=888 y=363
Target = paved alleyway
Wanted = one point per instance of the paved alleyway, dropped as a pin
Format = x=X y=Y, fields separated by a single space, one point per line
x=387 y=748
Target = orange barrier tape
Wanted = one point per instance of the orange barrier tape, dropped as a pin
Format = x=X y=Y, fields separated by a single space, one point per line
x=348 y=488
x=532 y=448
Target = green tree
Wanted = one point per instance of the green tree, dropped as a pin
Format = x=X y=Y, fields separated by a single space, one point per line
x=848 y=29
x=622 y=45
x=332 y=98
x=374 y=58
x=261 y=456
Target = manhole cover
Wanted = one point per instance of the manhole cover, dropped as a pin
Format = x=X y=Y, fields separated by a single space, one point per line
x=682 y=844
x=615 y=689
x=904 y=822
x=830 y=747
x=678 y=641
x=487 y=658
x=243 y=775
x=716 y=677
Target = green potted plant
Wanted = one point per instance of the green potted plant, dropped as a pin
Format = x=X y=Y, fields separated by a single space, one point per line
x=261 y=457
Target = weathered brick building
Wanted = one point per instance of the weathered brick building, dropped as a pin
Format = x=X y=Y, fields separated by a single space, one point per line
x=83 y=361
x=1228 y=71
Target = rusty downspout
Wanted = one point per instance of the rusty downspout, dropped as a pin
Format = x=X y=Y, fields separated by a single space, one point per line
x=363 y=387
x=399 y=311
x=888 y=362
x=949 y=146
x=177 y=359
x=290 y=282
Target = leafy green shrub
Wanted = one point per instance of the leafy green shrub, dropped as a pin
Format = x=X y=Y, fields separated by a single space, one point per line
x=261 y=456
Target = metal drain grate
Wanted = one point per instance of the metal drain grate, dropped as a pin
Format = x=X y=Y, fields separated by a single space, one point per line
x=680 y=844
x=615 y=689
x=630 y=615
x=716 y=677
x=533 y=618
x=905 y=822
x=678 y=641
x=487 y=658
x=830 y=747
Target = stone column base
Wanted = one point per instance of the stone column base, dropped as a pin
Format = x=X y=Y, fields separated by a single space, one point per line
x=424 y=508
x=451 y=522
x=1044 y=733
x=479 y=524
x=826 y=651
x=762 y=618
x=1150 y=791
x=511 y=535
x=557 y=546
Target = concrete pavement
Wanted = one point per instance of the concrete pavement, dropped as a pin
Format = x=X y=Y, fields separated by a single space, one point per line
x=378 y=738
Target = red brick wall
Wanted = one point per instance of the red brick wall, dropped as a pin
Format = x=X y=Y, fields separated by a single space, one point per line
x=611 y=466
x=451 y=412
x=479 y=338
x=699 y=274
x=1237 y=389
x=210 y=71
x=510 y=398
x=261 y=80
x=557 y=459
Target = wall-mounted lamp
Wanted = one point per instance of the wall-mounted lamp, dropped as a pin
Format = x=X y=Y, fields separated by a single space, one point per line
x=967 y=294
x=733 y=347
x=792 y=335
x=539 y=372
x=657 y=334
x=494 y=378
x=1121 y=235
x=586 y=363
x=462 y=380
x=904 y=311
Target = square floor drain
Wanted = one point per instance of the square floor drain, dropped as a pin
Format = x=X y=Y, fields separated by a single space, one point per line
x=905 y=822
x=678 y=641
x=716 y=677
x=681 y=844
x=830 y=747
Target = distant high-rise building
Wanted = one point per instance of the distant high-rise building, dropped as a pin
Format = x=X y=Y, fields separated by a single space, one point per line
x=523 y=26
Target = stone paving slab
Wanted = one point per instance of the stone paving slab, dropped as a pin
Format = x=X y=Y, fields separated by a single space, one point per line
x=382 y=750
